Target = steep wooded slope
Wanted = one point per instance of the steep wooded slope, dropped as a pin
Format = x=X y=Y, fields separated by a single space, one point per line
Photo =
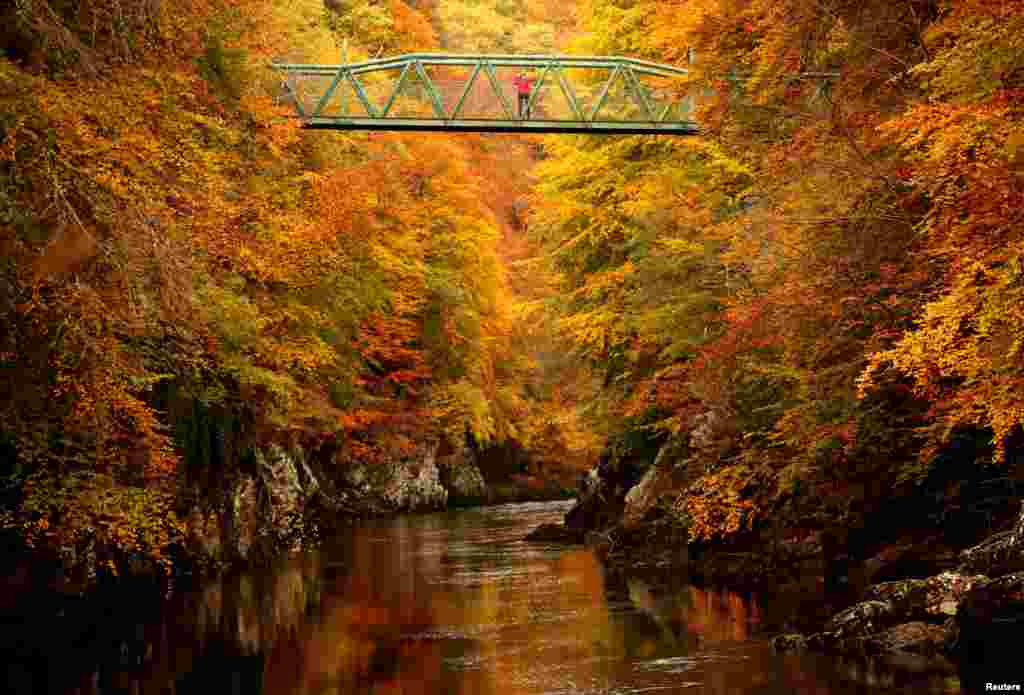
x=820 y=300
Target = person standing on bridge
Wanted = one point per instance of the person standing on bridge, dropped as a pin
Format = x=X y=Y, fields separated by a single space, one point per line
x=524 y=86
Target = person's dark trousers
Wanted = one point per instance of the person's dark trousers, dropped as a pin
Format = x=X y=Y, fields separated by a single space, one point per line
x=524 y=105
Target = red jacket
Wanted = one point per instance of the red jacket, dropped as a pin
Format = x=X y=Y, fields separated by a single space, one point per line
x=523 y=84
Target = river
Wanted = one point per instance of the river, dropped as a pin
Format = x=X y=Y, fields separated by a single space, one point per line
x=452 y=602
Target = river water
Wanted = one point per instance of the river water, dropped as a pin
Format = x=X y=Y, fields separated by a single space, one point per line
x=452 y=602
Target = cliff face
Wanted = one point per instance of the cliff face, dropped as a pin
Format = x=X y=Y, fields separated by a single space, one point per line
x=280 y=498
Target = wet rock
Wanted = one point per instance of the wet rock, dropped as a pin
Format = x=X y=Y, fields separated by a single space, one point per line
x=916 y=637
x=862 y=619
x=925 y=598
x=999 y=554
x=822 y=641
x=792 y=642
x=946 y=591
x=554 y=533
x=601 y=502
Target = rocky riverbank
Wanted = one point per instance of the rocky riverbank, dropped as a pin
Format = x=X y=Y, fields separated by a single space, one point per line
x=912 y=598
x=283 y=496
x=241 y=500
x=973 y=615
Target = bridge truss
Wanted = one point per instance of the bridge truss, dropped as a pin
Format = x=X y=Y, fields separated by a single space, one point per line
x=442 y=92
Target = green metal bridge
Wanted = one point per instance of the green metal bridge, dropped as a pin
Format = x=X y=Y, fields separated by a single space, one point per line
x=443 y=92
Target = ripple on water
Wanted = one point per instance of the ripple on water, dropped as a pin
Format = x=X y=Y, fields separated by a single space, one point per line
x=620 y=690
x=441 y=634
x=481 y=577
x=681 y=664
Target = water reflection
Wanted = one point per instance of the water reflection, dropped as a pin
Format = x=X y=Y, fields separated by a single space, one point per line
x=448 y=603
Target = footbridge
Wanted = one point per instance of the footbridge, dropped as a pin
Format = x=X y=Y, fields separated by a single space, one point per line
x=478 y=93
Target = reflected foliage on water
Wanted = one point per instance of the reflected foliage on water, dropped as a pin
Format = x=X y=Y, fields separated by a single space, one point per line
x=449 y=603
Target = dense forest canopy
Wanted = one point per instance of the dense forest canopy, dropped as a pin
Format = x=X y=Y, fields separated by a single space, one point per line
x=817 y=296
x=174 y=248
x=825 y=290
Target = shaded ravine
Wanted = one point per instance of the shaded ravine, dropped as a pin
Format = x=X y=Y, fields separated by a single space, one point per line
x=452 y=602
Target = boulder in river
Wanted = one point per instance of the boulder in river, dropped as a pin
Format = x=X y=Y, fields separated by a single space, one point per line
x=554 y=533
x=598 y=507
x=789 y=642
x=920 y=621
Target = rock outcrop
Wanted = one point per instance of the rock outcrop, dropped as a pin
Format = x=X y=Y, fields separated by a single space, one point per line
x=864 y=618
x=461 y=476
x=622 y=490
x=644 y=496
x=977 y=619
x=931 y=598
x=409 y=483
x=414 y=486
x=264 y=511
x=788 y=642
x=1000 y=554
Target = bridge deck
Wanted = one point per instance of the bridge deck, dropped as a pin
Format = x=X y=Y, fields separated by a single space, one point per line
x=464 y=125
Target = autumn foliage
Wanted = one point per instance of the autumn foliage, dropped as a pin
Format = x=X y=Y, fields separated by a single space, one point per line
x=175 y=248
x=823 y=292
x=816 y=296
